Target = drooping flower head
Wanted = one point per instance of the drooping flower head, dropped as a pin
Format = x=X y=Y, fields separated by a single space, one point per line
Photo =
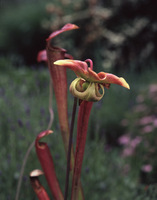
x=90 y=85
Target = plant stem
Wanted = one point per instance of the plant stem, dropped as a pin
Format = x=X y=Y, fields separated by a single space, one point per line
x=82 y=127
x=69 y=149
x=22 y=170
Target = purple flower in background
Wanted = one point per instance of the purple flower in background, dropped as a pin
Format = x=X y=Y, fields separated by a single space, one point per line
x=129 y=144
x=128 y=151
x=147 y=129
x=28 y=125
x=124 y=140
x=146 y=120
x=87 y=170
x=134 y=142
x=147 y=168
x=155 y=123
x=42 y=111
x=20 y=123
x=27 y=110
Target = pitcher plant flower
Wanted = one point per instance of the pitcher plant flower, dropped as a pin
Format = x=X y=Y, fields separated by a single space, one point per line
x=87 y=88
x=88 y=84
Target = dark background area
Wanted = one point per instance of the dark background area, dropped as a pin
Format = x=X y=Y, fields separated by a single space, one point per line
x=115 y=34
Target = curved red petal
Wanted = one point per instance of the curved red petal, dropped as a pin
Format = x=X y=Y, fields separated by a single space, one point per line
x=94 y=77
x=42 y=56
x=43 y=134
x=67 y=27
x=80 y=68
x=116 y=80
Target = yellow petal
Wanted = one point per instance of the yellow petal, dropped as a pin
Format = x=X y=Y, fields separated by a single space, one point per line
x=124 y=83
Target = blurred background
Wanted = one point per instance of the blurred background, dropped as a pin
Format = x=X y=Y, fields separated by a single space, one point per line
x=120 y=36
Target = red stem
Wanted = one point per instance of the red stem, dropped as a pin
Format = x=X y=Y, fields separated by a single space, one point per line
x=82 y=126
x=69 y=149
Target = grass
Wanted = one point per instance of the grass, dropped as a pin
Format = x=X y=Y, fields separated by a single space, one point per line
x=24 y=113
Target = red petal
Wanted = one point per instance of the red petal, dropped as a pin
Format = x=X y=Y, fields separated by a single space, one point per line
x=67 y=27
x=116 y=80
x=81 y=69
x=42 y=56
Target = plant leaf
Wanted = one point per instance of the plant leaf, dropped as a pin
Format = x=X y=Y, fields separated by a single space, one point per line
x=46 y=162
x=37 y=187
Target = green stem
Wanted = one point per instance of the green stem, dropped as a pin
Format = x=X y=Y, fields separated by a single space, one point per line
x=69 y=149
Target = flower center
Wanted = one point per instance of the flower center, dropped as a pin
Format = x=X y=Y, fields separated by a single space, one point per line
x=87 y=91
